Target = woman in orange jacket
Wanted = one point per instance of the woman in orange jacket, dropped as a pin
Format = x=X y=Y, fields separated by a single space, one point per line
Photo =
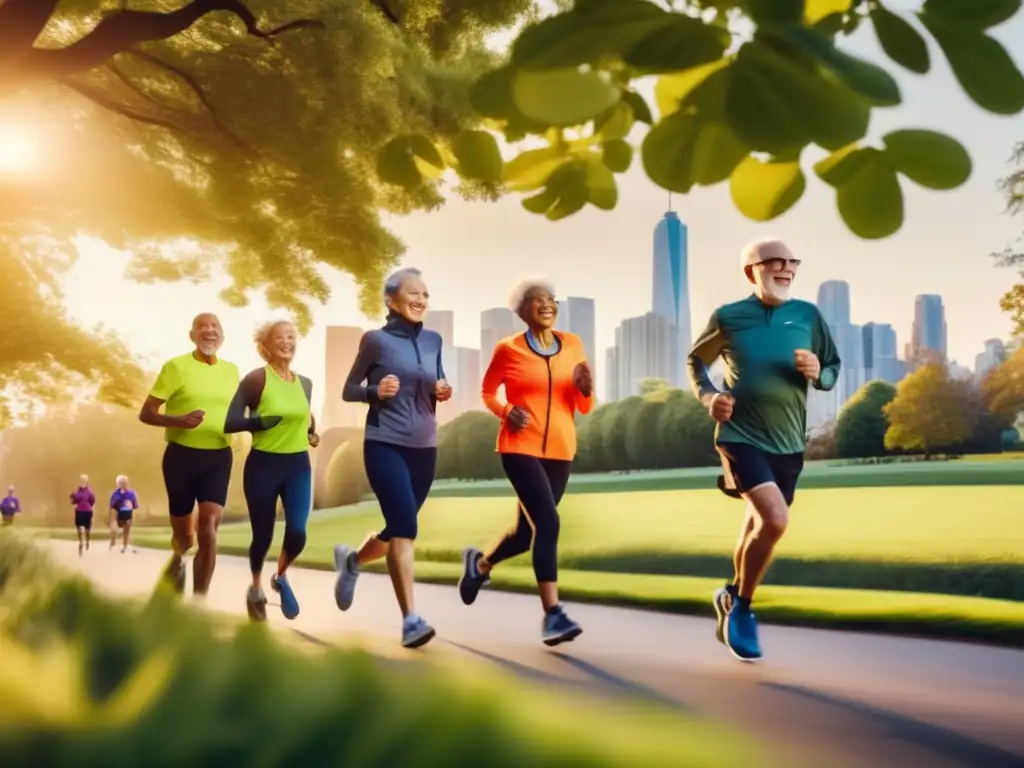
x=546 y=379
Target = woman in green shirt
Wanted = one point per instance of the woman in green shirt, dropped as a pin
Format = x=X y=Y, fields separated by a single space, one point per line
x=273 y=403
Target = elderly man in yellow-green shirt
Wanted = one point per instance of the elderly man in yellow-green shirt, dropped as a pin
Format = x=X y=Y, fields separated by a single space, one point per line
x=195 y=390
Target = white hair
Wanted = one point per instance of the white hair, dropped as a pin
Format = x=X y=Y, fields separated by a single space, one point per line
x=753 y=253
x=521 y=292
x=121 y=479
x=396 y=279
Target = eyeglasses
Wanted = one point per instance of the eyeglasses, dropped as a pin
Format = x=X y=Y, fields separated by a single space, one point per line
x=778 y=263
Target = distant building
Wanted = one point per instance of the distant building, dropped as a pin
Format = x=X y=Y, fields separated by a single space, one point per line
x=645 y=347
x=340 y=352
x=880 y=360
x=442 y=321
x=465 y=376
x=576 y=315
x=495 y=325
x=834 y=305
x=994 y=354
x=670 y=290
x=928 y=336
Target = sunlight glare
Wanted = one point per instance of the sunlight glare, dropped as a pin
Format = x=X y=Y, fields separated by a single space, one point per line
x=20 y=150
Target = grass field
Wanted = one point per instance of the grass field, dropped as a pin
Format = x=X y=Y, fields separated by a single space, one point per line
x=994 y=469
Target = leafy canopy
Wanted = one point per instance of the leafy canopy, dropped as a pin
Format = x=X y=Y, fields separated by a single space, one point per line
x=930 y=411
x=744 y=87
x=1012 y=188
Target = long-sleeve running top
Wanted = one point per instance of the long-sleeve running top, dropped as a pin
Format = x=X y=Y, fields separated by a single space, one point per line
x=757 y=343
x=412 y=353
x=83 y=499
x=543 y=387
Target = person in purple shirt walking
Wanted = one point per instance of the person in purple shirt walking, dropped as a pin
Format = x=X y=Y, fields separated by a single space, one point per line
x=123 y=503
x=84 y=501
x=9 y=506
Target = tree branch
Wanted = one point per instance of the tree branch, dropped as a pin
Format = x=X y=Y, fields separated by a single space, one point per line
x=21 y=22
x=100 y=98
x=124 y=29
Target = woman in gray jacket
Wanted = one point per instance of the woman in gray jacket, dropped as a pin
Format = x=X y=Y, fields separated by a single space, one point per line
x=398 y=372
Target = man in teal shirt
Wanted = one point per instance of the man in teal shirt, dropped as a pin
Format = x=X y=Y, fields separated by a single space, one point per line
x=772 y=347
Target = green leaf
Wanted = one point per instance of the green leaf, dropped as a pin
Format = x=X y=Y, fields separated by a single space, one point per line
x=616 y=123
x=586 y=35
x=541 y=202
x=900 y=41
x=406 y=160
x=775 y=105
x=819 y=10
x=764 y=191
x=563 y=97
x=981 y=65
x=491 y=95
x=532 y=169
x=831 y=25
x=617 y=155
x=930 y=159
x=870 y=200
x=776 y=12
x=671 y=90
x=976 y=14
x=683 y=150
x=569 y=185
x=603 y=192
x=862 y=76
x=839 y=166
x=681 y=43
x=641 y=112
x=478 y=155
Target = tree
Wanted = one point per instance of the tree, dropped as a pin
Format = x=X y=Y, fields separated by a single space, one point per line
x=929 y=412
x=248 y=131
x=1012 y=188
x=652 y=385
x=614 y=431
x=742 y=113
x=821 y=444
x=1003 y=388
x=862 y=423
x=687 y=432
x=642 y=445
x=467 y=447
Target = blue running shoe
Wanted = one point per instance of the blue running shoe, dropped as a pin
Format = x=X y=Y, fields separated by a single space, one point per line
x=723 y=601
x=472 y=580
x=289 y=605
x=741 y=633
x=558 y=628
x=416 y=632
x=347 y=566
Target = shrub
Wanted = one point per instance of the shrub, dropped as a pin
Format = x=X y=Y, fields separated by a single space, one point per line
x=346 y=476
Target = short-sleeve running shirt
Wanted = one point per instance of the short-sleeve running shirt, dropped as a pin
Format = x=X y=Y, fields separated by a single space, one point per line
x=185 y=385
x=288 y=400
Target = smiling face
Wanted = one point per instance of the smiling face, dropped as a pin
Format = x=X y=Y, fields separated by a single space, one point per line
x=280 y=343
x=539 y=309
x=122 y=483
x=83 y=480
x=772 y=271
x=411 y=300
x=207 y=334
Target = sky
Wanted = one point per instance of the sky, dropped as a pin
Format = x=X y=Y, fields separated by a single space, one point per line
x=472 y=254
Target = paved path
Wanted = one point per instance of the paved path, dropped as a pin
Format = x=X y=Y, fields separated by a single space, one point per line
x=831 y=698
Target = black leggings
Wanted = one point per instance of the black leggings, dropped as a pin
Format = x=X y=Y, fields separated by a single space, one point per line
x=539 y=484
x=267 y=478
x=400 y=478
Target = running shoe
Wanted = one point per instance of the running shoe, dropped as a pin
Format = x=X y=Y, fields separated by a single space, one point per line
x=173 y=576
x=558 y=628
x=416 y=632
x=289 y=604
x=472 y=580
x=723 y=600
x=347 y=566
x=741 y=633
x=256 y=604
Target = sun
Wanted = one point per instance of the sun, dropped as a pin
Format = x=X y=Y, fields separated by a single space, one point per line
x=20 y=151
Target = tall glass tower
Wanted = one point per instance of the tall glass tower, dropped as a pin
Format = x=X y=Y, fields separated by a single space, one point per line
x=671 y=284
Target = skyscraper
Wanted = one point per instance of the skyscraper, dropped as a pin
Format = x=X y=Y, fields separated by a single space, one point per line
x=834 y=305
x=576 y=315
x=495 y=325
x=834 y=302
x=928 y=338
x=880 y=360
x=671 y=285
x=341 y=349
x=443 y=322
x=994 y=354
x=465 y=376
x=645 y=347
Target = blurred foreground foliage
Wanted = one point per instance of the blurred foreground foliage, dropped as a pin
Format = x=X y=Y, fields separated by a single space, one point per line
x=88 y=681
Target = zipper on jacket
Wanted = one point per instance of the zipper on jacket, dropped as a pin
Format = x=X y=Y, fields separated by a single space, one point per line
x=547 y=417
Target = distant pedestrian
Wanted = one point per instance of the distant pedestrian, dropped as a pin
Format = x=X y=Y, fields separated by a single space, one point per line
x=9 y=506
x=84 y=502
x=123 y=503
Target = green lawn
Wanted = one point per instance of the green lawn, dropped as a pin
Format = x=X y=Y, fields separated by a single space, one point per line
x=995 y=469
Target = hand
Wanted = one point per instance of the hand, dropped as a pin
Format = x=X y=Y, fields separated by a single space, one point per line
x=721 y=407
x=443 y=391
x=583 y=379
x=388 y=387
x=192 y=420
x=314 y=439
x=517 y=419
x=807 y=363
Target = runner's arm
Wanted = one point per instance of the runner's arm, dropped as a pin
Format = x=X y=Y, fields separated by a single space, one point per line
x=706 y=349
x=307 y=387
x=166 y=384
x=828 y=357
x=584 y=403
x=493 y=378
x=354 y=391
x=247 y=398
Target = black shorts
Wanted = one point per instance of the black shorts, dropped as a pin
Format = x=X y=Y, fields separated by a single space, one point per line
x=745 y=467
x=8 y=519
x=124 y=515
x=83 y=520
x=194 y=475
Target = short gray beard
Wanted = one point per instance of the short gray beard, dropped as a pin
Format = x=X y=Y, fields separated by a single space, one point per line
x=208 y=349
